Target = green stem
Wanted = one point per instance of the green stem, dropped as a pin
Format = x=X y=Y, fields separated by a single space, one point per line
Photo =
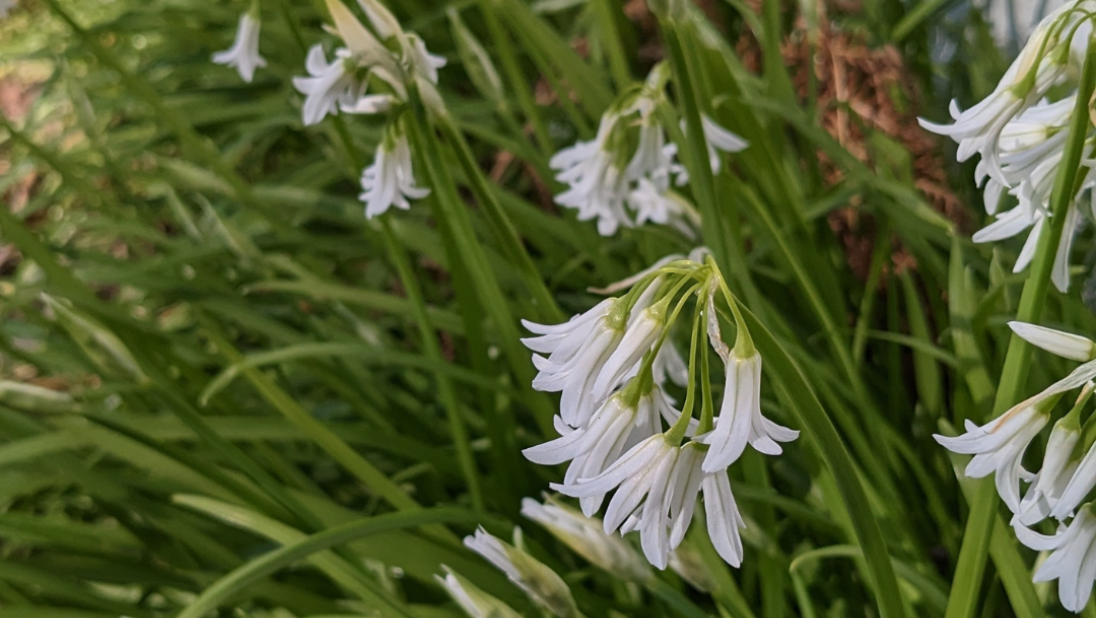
x=963 y=601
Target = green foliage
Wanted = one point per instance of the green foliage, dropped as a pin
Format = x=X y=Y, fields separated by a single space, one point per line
x=223 y=389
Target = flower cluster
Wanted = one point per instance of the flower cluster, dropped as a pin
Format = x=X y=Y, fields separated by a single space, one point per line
x=625 y=175
x=1059 y=490
x=1020 y=135
x=621 y=431
x=390 y=60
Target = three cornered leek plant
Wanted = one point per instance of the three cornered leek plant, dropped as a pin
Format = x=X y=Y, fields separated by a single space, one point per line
x=1039 y=150
x=285 y=286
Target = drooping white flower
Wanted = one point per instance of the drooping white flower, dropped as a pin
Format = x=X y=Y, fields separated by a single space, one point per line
x=475 y=602
x=370 y=104
x=717 y=139
x=586 y=537
x=661 y=206
x=1058 y=469
x=543 y=586
x=390 y=180
x=722 y=516
x=645 y=325
x=577 y=350
x=423 y=61
x=1027 y=80
x=740 y=421
x=1072 y=559
x=244 y=53
x=999 y=446
x=329 y=85
x=1066 y=345
x=1017 y=220
x=597 y=187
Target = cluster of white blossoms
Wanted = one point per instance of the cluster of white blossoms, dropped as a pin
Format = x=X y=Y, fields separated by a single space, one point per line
x=1060 y=489
x=244 y=53
x=621 y=431
x=371 y=75
x=625 y=176
x=1020 y=134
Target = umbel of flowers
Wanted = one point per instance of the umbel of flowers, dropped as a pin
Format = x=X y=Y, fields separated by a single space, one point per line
x=372 y=74
x=622 y=432
x=625 y=176
x=1020 y=135
x=1060 y=490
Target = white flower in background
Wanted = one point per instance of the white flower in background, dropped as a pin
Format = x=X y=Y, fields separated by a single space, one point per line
x=596 y=185
x=999 y=446
x=1072 y=559
x=543 y=586
x=342 y=84
x=244 y=53
x=586 y=538
x=622 y=177
x=717 y=139
x=1021 y=136
x=740 y=421
x=475 y=602
x=1066 y=345
x=390 y=181
x=6 y=6
x=423 y=61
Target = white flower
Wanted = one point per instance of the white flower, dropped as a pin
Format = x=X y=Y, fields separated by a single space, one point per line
x=645 y=325
x=597 y=187
x=1077 y=489
x=1072 y=560
x=719 y=139
x=643 y=472
x=999 y=447
x=475 y=602
x=656 y=205
x=613 y=429
x=370 y=104
x=539 y=582
x=328 y=86
x=7 y=5
x=426 y=63
x=716 y=139
x=390 y=181
x=244 y=53
x=586 y=538
x=577 y=350
x=1054 y=475
x=740 y=421
x=1066 y=345
x=723 y=518
x=1017 y=220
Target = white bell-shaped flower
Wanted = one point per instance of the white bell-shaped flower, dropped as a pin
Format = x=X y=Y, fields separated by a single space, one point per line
x=390 y=180
x=244 y=53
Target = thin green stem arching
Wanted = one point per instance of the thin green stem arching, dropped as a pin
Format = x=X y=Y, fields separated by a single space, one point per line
x=963 y=601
